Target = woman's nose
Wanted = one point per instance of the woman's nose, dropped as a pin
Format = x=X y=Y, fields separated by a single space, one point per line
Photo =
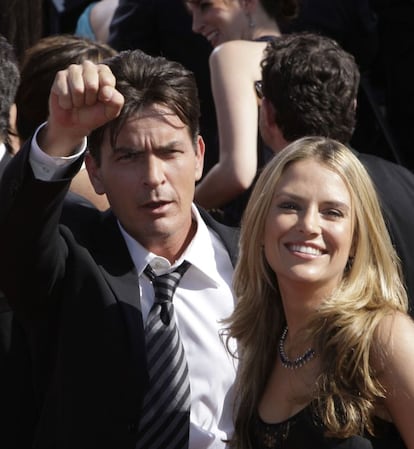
x=309 y=222
x=197 y=25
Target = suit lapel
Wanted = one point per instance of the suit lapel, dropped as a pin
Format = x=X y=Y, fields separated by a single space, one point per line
x=120 y=273
x=228 y=235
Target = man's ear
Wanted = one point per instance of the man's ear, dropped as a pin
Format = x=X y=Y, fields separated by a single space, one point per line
x=94 y=173
x=269 y=129
x=200 y=150
x=268 y=113
x=13 y=136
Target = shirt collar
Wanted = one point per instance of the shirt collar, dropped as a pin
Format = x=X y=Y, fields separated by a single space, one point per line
x=2 y=150
x=200 y=252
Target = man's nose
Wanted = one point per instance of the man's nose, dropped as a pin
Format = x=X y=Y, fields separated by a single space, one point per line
x=153 y=172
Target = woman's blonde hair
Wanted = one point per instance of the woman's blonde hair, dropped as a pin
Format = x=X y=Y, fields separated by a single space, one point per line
x=343 y=327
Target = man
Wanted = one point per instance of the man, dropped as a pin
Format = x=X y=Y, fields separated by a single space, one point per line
x=96 y=294
x=309 y=87
x=16 y=404
x=18 y=408
x=9 y=82
x=396 y=35
x=357 y=27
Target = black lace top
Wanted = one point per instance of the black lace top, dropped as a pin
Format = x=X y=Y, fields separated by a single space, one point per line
x=304 y=431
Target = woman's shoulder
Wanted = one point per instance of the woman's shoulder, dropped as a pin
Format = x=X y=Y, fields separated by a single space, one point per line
x=238 y=48
x=393 y=355
x=394 y=336
x=394 y=328
x=394 y=363
x=238 y=57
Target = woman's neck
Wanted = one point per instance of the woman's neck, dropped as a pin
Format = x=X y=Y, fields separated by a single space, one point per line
x=300 y=302
x=263 y=25
x=260 y=32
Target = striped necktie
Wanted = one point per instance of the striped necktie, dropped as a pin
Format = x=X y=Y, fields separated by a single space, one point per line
x=165 y=415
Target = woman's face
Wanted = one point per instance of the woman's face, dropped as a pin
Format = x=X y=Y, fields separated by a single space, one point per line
x=218 y=20
x=309 y=227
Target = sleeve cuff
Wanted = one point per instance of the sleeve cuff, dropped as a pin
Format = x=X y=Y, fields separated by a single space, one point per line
x=49 y=168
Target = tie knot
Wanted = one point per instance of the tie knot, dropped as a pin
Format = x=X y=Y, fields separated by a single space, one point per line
x=166 y=284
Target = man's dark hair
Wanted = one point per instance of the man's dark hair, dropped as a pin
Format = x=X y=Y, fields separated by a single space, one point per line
x=145 y=80
x=9 y=81
x=312 y=84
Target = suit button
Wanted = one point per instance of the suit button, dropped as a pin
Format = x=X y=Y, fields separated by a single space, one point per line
x=132 y=428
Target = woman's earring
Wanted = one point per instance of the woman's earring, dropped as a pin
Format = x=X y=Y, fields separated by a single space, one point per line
x=349 y=264
x=250 y=20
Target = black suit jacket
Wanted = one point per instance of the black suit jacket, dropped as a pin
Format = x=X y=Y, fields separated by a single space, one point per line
x=76 y=294
x=19 y=400
x=395 y=186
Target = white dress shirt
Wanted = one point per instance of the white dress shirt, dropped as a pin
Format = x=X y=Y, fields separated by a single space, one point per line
x=203 y=298
x=2 y=150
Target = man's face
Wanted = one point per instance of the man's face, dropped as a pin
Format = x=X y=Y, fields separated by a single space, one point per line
x=149 y=179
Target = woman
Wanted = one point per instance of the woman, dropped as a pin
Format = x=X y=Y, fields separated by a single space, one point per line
x=40 y=64
x=239 y=30
x=325 y=344
x=95 y=20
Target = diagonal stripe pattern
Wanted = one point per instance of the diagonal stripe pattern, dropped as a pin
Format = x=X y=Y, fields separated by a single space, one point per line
x=165 y=415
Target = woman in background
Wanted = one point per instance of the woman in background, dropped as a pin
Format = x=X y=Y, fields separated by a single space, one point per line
x=95 y=20
x=40 y=64
x=238 y=29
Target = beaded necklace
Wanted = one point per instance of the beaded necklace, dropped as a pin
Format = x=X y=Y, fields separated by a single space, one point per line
x=299 y=361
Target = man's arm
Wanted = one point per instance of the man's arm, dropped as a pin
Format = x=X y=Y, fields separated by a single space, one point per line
x=32 y=250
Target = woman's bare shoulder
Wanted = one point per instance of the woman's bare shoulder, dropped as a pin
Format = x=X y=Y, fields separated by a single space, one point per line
x=394 y=340
x=242 y=56
x=238 y=48
x=396 y=325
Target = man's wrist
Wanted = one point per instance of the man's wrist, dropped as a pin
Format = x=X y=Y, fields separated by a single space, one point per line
x=58 y=142
x=48 y=167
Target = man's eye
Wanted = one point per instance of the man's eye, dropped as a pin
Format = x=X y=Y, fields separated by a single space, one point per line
x=170 y=152
x=204 y=6
x=127 y=156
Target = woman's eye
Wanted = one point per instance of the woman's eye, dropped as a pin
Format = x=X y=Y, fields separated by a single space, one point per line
x=334 y=213
x=288 y=206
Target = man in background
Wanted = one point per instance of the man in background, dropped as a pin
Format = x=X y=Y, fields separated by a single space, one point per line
x=309 y=88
